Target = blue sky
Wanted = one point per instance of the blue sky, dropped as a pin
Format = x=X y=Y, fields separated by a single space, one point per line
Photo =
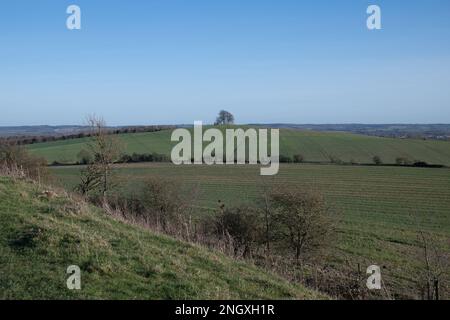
x=174 y=61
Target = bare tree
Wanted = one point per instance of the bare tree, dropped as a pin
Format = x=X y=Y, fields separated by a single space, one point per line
x=90 y=179
x=435 y=265
x=304 y=223
x=267 y=212
x=105 y=148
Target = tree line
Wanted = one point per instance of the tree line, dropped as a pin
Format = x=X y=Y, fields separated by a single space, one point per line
x=87 y=133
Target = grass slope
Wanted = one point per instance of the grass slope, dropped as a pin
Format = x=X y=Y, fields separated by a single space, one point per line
x=314 y=146
x=40 y=238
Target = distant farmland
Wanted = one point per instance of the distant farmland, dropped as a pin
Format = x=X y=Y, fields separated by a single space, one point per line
x=383 y=208
x=313 y=146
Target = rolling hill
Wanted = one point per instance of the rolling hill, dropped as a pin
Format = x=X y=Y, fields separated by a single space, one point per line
x=41 y=236
x=314 y=146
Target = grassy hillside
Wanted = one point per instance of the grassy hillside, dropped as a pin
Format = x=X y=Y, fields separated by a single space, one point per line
x=383 y=208
x=314 y=146
x=41 y=237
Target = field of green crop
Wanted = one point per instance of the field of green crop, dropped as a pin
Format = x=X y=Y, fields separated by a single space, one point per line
x=314 y=146
x=382 y=208
x=65 y=151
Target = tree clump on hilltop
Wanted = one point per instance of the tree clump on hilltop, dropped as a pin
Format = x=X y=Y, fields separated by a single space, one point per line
x=224 y=118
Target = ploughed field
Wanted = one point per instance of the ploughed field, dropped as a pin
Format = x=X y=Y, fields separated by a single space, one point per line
x=381 y=208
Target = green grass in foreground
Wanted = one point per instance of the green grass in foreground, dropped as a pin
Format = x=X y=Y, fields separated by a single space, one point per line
x=314 y=146
x=383 y=208
x=40 y=238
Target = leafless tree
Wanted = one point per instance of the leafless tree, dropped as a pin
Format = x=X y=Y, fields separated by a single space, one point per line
x=435 y=265
x=267 y=211
x=90 y=179
x=105 y=149
x=304 y=222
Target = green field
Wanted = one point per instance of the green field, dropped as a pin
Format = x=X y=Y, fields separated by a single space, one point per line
x=383 y=208
x=314 y=146
x=41 y=237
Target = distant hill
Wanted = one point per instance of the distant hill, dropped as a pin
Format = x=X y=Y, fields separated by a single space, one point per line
x=64 y=132
x=315 y=146
x=41 y=237
x=427 y=131
x=39 y=130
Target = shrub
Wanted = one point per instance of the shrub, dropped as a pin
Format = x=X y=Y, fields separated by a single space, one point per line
x=125 y=158
x=243 y=225
x=377 y=160
x=298 y=158
x=335 y=160
x=421 y=164
x=285 y=159
x=163 y=201
x=143 y=157
x=303 y=223
x=84 y=157
x=402 y=161
x=15 y=159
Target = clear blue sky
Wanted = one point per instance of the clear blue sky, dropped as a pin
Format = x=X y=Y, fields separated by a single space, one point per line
x=176 y=61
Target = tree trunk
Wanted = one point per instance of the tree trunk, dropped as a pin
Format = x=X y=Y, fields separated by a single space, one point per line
x=436 y=289
x=105 y=183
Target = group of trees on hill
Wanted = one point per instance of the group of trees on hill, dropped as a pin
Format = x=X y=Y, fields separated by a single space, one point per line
x=224 y=118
